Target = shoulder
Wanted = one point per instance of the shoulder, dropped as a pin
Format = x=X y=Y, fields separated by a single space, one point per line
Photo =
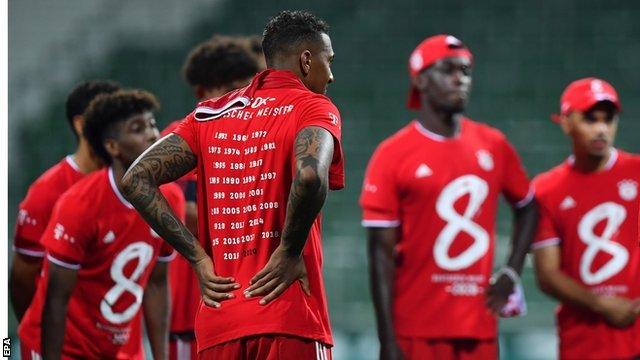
x=169 y=129
x=86 y=191
x=629 y=159
x=547 y=182
x=50 y=185
x=309 y=101
x=398 y=141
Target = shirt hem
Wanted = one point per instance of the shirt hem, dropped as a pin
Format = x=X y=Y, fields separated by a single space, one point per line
x=246 y=332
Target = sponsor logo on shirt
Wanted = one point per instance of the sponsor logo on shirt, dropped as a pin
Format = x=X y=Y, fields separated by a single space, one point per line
x=24 y=219
x=334 y=119
x=485 y=160
x=567 y=203
x=423 y=171
x=370 y=188
x=260 y=101
x=59 y=234
x=628 y=189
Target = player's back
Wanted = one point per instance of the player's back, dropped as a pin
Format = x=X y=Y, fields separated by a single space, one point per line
x=246 y=168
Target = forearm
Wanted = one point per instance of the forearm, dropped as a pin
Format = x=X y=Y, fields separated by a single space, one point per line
x=314 y=150
x=381 y=271
x=524 y=227
x=164 y=162
x=156 y=314
x=566 y=290
x=59 y=288
x=22 y=282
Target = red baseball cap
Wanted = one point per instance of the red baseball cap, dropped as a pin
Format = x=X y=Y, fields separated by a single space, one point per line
x=427 y=53
x=581 y=95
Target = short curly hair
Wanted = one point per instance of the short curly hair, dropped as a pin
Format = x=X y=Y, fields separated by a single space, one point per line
x=107 y=110
x=287 y=30
x=219 y=62
x=80 y=97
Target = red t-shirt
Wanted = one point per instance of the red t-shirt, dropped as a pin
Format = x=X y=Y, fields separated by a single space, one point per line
x=94 y=230
x=443 y=194
x=245 y=170
x=593 y=217
x=185 y=291
x=35 y=209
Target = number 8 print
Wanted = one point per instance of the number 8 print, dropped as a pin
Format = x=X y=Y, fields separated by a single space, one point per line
x=457 y=223
x=141 y=251
x=615 y=215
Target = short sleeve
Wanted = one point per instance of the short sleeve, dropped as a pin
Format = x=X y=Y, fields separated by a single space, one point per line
x=187 y=130
x=546 y=233
x=379 y=198
x=515 y=182
x=33 y=216
x=67 y=235
x=176 y=200
x=322 y=113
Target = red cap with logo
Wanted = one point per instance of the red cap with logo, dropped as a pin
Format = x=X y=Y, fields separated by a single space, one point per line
x=581 y=95
x=430 y=51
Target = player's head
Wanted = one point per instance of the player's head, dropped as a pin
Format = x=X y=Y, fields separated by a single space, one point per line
x=440 y=71
x=589 y=111
x=219 y=65
x=121 y=126
x=80 y=97
x=299 y=41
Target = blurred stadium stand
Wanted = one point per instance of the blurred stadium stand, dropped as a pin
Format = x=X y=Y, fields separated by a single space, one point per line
x=525 y=53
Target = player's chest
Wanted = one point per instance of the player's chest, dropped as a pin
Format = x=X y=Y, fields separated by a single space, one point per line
x=452 y=171
x=125 y=236
x=597 y=207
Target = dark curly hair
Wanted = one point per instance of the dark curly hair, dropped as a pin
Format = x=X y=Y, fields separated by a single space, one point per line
x=220 y=61
x=107 y=110
x=80 y=97
x=289 y=29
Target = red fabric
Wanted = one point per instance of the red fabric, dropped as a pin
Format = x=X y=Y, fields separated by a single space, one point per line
x=183 y=350
x=427 y=53
x=582 y=94
x=443 y=194
x=268 y=347
x=185 y=295
x=246 y=166
x=448 y=349
x=586 y=215
x=115 y=250
x=35 y=209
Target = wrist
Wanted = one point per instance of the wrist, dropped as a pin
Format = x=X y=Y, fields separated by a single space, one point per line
x=507 y=271
x=292 y=252
x=597 y=305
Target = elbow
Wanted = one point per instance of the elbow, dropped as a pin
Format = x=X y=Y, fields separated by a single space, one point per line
x=312 y=182
x=545 y=284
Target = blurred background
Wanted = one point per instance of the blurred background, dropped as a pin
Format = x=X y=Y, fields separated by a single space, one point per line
x=525 y=53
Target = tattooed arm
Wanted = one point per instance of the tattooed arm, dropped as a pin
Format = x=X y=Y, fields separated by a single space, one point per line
x=314 y=152
x=166 y=161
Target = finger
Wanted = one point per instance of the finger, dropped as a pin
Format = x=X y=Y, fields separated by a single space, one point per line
x=305 y=286
x=221 y=280
x=260 y=283
x=262 y=273
x=210 y=303
x=264 y=289
x=218 y=296
x=223 y=288
x=274 y=294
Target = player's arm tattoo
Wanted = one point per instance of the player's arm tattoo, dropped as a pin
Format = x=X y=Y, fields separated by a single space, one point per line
x=165 y=161
x=313 y=155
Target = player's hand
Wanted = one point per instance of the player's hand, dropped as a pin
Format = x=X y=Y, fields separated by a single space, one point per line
x=498 y=293
x=214 y=289
x=277 y=275
x=618 y=311
x=390 y=350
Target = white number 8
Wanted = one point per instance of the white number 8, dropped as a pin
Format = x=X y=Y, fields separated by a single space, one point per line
x=141 y=251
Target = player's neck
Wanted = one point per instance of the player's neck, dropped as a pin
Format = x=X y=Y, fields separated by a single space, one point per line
x=84 y=158
x=439 y=122
x=119 y=170
x=587 y=163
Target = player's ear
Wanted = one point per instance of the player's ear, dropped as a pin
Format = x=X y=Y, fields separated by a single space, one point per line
x=78 y=124
x=305 y=62
x=420 y=81
x=199 y=91
x=566 y=123
x=111 y=145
